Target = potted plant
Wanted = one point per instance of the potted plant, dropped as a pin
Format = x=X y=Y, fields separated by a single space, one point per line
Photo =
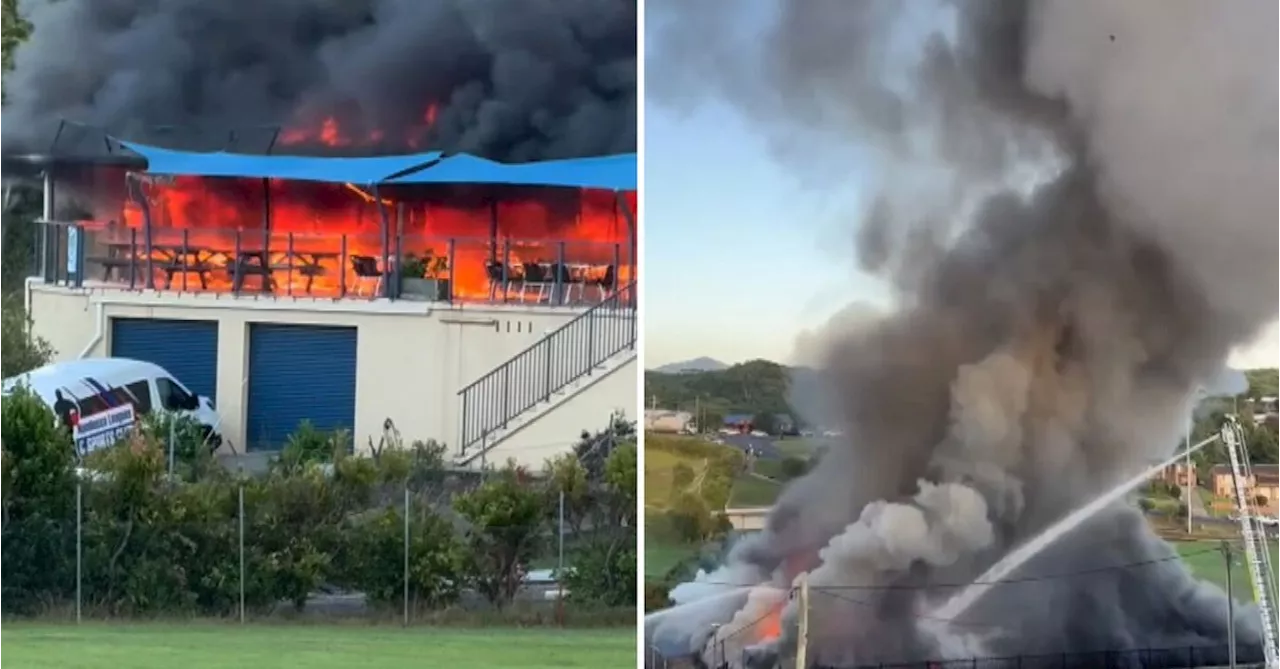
x=424 y=278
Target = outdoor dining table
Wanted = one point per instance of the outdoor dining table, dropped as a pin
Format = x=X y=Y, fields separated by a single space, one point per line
x=173 y=259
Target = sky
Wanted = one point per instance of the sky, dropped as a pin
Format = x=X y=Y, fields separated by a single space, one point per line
x=740 y=257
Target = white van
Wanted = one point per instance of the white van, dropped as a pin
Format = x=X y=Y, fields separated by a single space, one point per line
x=110 y=393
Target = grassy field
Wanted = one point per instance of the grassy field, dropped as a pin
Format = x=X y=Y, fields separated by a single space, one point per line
x=1206 y=562
x=225 y=646
x=796 y=446
x=751 y=490
x=660 y=558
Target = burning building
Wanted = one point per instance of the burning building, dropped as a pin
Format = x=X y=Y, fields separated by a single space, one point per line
x=438 y=199
x=1057 y=184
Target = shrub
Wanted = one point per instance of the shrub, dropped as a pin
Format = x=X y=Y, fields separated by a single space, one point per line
x=156 y=546
x=657 y=596
x=794 y=467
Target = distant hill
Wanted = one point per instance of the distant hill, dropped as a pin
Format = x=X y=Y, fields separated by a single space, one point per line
x=753 y=387
x=702 y=364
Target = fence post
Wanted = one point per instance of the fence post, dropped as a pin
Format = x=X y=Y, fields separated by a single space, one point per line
x=79 y=547
x=560 y=565
x=591 y=341
x=506 y=393
x=173 y=426
x=548 y=345
x=240 y=520
x=406 y=554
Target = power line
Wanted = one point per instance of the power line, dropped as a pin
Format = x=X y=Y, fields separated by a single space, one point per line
x=951 y=621
x=1028 y=579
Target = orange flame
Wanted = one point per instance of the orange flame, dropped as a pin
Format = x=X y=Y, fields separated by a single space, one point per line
x=330 y=132
x=307 y=218
x=770 y=626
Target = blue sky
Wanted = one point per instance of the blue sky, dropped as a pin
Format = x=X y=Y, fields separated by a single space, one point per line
x=739 y=257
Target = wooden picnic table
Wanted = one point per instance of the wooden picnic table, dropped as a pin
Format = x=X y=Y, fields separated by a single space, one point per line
x=117 y=258
x=184 y=258
x=261 y=263
x=173 y=259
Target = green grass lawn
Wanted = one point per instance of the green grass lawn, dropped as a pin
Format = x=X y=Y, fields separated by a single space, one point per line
x=660 y=558
x=753 y=491
x=227 y=646
x=796 y=446
x=1206 y=562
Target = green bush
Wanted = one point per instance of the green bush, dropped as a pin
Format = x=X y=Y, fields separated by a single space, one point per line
x=657 y=596
x=794 y=467
x=153 y=545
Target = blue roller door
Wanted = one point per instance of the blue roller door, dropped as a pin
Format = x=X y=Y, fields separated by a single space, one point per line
x=297 y=373
x=188 y=349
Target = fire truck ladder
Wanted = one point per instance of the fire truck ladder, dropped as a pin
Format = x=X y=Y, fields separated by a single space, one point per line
x=1258 y=557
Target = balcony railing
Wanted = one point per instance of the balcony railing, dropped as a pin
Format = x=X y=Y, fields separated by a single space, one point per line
x=352 y=265
x=570 y=352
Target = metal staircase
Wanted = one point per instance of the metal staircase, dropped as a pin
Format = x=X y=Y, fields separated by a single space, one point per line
x=535 y=375
x=1258 y=557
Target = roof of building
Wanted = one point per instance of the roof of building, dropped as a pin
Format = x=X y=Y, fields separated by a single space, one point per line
x=1263 y=473
x=617 y=173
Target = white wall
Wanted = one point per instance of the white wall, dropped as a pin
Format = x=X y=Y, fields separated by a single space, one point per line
x=557 y=430
x=413 y=358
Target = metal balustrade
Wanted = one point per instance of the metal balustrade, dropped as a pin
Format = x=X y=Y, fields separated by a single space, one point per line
x=332 y=265
x=534 y=375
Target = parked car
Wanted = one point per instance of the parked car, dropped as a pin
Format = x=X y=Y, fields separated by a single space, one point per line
x=101 y=399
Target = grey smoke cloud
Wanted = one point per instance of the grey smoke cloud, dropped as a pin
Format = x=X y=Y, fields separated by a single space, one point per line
x=510 y=79
x=1063 y=190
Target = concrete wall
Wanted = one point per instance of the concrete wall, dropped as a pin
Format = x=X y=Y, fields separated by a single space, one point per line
x=748 y=519
x=589 y=408
x=413 y=358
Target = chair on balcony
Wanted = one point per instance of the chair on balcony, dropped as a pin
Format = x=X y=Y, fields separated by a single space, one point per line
x=535 y=276
x=365 y=268
x=608 y=282
x=495 y=271
x=559 y=277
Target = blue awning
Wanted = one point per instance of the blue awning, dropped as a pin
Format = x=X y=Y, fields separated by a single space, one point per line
x=617 y=173
x=298 y=168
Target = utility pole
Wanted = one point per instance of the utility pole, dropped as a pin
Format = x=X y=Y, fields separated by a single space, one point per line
x=803 y=647
x=1231 y=609
x=1187 y=473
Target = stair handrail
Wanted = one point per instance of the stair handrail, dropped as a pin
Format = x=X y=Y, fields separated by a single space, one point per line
x=618 y=335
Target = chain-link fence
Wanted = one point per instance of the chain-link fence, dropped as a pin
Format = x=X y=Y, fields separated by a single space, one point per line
x=316 y=544
x=1185 y=657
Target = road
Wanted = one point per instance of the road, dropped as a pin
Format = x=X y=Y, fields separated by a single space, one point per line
x=763 y=447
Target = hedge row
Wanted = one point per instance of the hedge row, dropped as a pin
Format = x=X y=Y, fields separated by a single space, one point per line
x=159 y=545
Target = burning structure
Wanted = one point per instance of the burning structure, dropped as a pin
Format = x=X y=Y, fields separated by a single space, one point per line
x=393 y=183
x=1065 y=189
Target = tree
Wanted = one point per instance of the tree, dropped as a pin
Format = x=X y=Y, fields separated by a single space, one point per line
x=22 y=351
x=15 y=31
x=565 y=474
x=757 y=386
x=604 y=568
x=507 y=519
x=39 y=458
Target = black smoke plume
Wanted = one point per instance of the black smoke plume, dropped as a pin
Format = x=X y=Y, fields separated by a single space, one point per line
x=1064 y=188
x=506 y=79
